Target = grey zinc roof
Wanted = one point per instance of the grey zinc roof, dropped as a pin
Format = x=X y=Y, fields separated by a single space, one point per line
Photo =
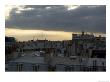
x=29 y=58
x=64 y=60
x=67 y=61
x=99 y=61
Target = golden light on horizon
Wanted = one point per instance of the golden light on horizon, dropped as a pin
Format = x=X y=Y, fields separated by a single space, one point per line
x=51 y=35
x=24 y=35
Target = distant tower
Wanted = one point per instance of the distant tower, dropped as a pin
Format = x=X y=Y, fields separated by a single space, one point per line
x=73 y=35
x=100 y=36
x=83 y=32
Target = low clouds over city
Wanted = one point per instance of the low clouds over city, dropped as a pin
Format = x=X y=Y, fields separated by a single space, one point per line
x=57 y=18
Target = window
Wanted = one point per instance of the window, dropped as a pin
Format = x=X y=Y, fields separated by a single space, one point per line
x=104 y=68
x=19 y=67
x=95 y=65
x=35 y=67
x=69 y=68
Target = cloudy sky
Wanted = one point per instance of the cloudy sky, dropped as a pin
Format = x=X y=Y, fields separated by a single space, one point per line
x=54 y=22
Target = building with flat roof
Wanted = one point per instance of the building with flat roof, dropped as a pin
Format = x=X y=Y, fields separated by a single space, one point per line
x=28 y=62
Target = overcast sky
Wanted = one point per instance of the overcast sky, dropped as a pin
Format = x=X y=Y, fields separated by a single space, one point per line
x=57 y=18
x=89 y=18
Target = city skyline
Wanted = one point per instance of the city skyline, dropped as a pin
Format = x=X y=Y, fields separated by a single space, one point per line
x=84 y=52
x=54 y=22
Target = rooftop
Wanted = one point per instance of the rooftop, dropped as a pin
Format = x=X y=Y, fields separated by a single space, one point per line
x=28 y=57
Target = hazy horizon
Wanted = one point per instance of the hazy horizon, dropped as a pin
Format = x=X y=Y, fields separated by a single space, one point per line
x=25 y=35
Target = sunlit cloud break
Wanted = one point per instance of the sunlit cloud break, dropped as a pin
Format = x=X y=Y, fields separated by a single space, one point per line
x=71 y=7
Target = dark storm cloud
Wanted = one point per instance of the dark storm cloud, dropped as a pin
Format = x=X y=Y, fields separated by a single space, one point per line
x=47 y=17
